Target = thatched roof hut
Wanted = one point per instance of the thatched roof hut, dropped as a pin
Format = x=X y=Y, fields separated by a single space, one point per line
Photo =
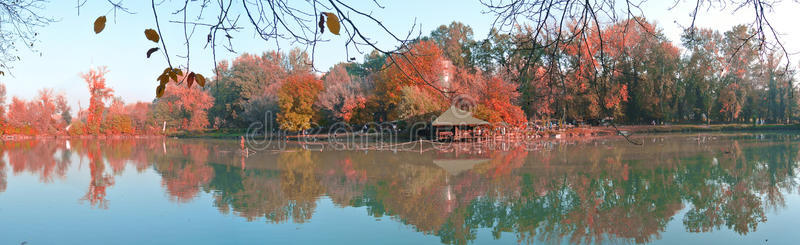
x=457 y=124
x=457 y=117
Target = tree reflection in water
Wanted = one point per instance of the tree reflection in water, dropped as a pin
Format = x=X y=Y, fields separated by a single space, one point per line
x=579 y=193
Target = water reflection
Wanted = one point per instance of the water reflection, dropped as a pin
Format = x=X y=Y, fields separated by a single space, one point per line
x=576 y=193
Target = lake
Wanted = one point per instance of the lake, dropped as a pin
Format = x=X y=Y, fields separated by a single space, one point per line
x=737 y=188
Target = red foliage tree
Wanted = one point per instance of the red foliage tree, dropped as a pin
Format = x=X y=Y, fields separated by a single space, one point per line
x=342 y=93
x=183 y=107
x=498 y=98
x=20 y=117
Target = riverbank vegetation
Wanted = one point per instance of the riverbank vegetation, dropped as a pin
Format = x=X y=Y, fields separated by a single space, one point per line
x=709 y=77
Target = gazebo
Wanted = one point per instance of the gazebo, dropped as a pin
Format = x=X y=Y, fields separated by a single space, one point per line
x=456 y=124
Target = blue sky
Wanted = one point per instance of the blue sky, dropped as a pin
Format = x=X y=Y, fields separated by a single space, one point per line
x=70 y=47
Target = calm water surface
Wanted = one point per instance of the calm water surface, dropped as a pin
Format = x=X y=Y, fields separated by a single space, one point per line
x=674 y=189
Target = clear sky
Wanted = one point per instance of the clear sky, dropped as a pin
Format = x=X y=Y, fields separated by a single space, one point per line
x=70 y=47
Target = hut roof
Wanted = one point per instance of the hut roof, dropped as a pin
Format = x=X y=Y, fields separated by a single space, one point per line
x=456 y=117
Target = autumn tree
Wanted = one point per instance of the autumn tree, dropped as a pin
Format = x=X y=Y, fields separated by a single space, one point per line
x=497 y=102
x=425 y=70
x=116 y=120
x=99 y=93
x=63 y=107
x=646 y=63
x=20 y=117
x=2 y=102
x=342 y=93
x=141 y=114
x=456 y=41
x=45 y=111
x=39 y=116
x=296 y=99
x=183 y=107
x=248 y=88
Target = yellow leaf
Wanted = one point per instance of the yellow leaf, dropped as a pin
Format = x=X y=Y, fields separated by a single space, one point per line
x=151 y=35
x=160 y=91
x=99 y=24
x=333 y=23
x=200 y=80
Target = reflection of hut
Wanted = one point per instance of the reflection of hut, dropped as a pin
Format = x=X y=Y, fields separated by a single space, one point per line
x=456 y=124
x=456 y=166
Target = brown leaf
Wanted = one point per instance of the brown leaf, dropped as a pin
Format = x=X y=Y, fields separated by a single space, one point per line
x=190 y=79
x=151 y=51
x=99 y=24
x=200 y=80
x=151 y=35
x=160 y=91
x=163 y=79
x=174 y=76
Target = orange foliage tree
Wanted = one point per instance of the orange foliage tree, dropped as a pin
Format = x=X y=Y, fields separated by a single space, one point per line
x=422 y=67
x=295 y=99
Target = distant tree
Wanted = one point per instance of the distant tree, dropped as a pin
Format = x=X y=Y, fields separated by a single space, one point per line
x=39 y=116
x=456 y=41
x=141 y=114
x=64 y=108
x=2 y=102
x=116 y=120
x=99 y=93
x=20 y=118
x=183 y=107
x=248 y=87
x=296 y=99
x=414 y=102
x=342 y=93
x=498 y=98
x=45 y=111
x=424 y=69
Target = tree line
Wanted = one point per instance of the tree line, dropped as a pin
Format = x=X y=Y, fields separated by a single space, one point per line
x=628 y=71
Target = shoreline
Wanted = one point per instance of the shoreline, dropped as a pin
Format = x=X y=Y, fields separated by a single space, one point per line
x=590 y=132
